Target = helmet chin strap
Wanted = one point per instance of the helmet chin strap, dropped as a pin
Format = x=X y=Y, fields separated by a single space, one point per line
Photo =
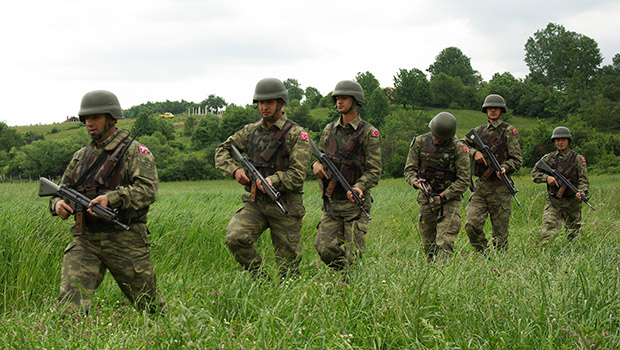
x=273 y=116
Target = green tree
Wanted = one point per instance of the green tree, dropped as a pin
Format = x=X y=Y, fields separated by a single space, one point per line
x=206 y=133
x=299 y=113
x=9 y=137
x=214 y=103
x=447 y=91
x=295 y=92
x=368 y=82
x=313 y=97
x=235 y=117
x=377 y=108
x=42 y=158
x=452 y=62
x=190 y=123
x=411 y=88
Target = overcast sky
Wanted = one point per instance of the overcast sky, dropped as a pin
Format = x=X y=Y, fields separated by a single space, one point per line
x=52 y=52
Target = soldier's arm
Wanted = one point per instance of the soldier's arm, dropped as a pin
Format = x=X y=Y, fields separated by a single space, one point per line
x=413 y=162
x=223 y=160
x=584 y=182
x=372 y=165
x=471 y=147
x=514 y=160
x=539 y=176
x=65 y=179
x=143 y=181
x=463 y=173
x=299 y=159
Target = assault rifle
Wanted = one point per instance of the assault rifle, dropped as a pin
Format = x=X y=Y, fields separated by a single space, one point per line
x=255 y=175
x=492 y=162
x=563 y=181
x=79 y=202
x=426 y=190
x=335 y=173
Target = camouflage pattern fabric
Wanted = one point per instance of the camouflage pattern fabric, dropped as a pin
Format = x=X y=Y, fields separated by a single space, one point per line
x=566 y=210
x=253 y=218
x=490 y=197
x=450 y=157
x=341 y=233
x=125 y=253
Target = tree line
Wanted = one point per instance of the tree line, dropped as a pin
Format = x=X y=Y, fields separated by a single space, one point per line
x=566 y=86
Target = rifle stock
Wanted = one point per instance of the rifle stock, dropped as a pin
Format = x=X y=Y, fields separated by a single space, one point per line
x=564 y=182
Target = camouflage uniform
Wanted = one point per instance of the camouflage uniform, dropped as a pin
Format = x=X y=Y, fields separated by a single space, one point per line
x=356 y=150
x=131 y=187
x=446 y=168
x=284 y=159
x=490 y=195
x=566 y=208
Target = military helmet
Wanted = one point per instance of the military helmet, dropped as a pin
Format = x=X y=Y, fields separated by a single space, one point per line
x=349 y=88
x=561 y=132
x=443 y=126
x=270 y=89
x=100 y=102
x=494 y=100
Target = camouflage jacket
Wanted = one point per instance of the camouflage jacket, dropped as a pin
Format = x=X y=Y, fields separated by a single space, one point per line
x=511 y=160
x=576 y=171
x=138 y=187
x=455 y=152
x=370 y=150
x=298 y=147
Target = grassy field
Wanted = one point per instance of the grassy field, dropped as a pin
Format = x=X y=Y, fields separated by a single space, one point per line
x=566 y=296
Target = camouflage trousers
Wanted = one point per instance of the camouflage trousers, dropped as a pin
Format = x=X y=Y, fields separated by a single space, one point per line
x=558 y=211
x=490 y=198
x=249 y=222
x=126 y=254
x=439 y=230
x=341 y=233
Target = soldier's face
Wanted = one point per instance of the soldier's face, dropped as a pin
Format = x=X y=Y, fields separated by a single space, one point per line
x=98 y=126
x=494 y=113
x=269 y=109
x=344 y=104
x=561 y=144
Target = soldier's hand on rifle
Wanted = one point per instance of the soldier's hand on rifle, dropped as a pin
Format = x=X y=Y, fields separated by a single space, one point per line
x=479 y=158
x=579 y=196
x=259 y=184
x=241 y=177
x=63 y=209
x=417 y=184
x=551 y=181
x=500 y=173
x=319 y=172
x=102 y=200
x=350 y=195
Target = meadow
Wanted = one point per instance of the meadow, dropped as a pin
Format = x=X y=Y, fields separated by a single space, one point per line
x=564 y=296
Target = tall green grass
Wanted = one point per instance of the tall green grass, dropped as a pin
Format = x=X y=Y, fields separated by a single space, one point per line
x=565 y=296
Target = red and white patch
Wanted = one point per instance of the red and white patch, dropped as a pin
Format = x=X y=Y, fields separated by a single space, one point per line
x=464 y=149
x=514 y=131
x=374 y=133
x=143 y=149
x=304 y=136
x=583 y=159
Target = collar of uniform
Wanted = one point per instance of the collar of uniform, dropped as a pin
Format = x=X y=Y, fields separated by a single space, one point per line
x=354 y=123
x=495 y=123
x=564 y=154
x=279 y=124
x=113 y=141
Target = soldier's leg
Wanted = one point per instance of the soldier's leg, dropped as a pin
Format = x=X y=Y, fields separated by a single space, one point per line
x=127 y=256
x=552 y=221
x=82 y=272
x=476 y=214
x=499 y=212
x=286 y=236
x=243 y=230
x=328 y=242
x=428 y=229
x=448 y=228
x=573 y=220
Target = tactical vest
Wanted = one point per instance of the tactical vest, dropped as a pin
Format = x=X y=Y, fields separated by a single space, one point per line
x=267 y=149
x=344 y=147
x=497 y=143
x=437 y=163
x=568 y=168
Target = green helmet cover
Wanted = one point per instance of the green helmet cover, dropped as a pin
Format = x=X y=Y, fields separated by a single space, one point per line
x=270 y=89
x=100 y=102
x=443 y=126
x=494 y=100
x=561 y=132
x=349 y=88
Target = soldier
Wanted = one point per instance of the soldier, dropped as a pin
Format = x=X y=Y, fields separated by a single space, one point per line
x=354 y=146
x=279 y=148
x=562 y=205
x=441 y=160
x=128 y=184
x=490 y=195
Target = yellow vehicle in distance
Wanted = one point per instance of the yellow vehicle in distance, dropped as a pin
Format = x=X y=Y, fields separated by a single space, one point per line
x=166 y=115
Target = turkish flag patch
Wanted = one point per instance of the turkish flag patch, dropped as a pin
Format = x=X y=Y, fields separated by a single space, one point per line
x=583 y=159
x=304 y=136
x=514 y=131
x=464 y=149
x=374 y=133
x=143 y=149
